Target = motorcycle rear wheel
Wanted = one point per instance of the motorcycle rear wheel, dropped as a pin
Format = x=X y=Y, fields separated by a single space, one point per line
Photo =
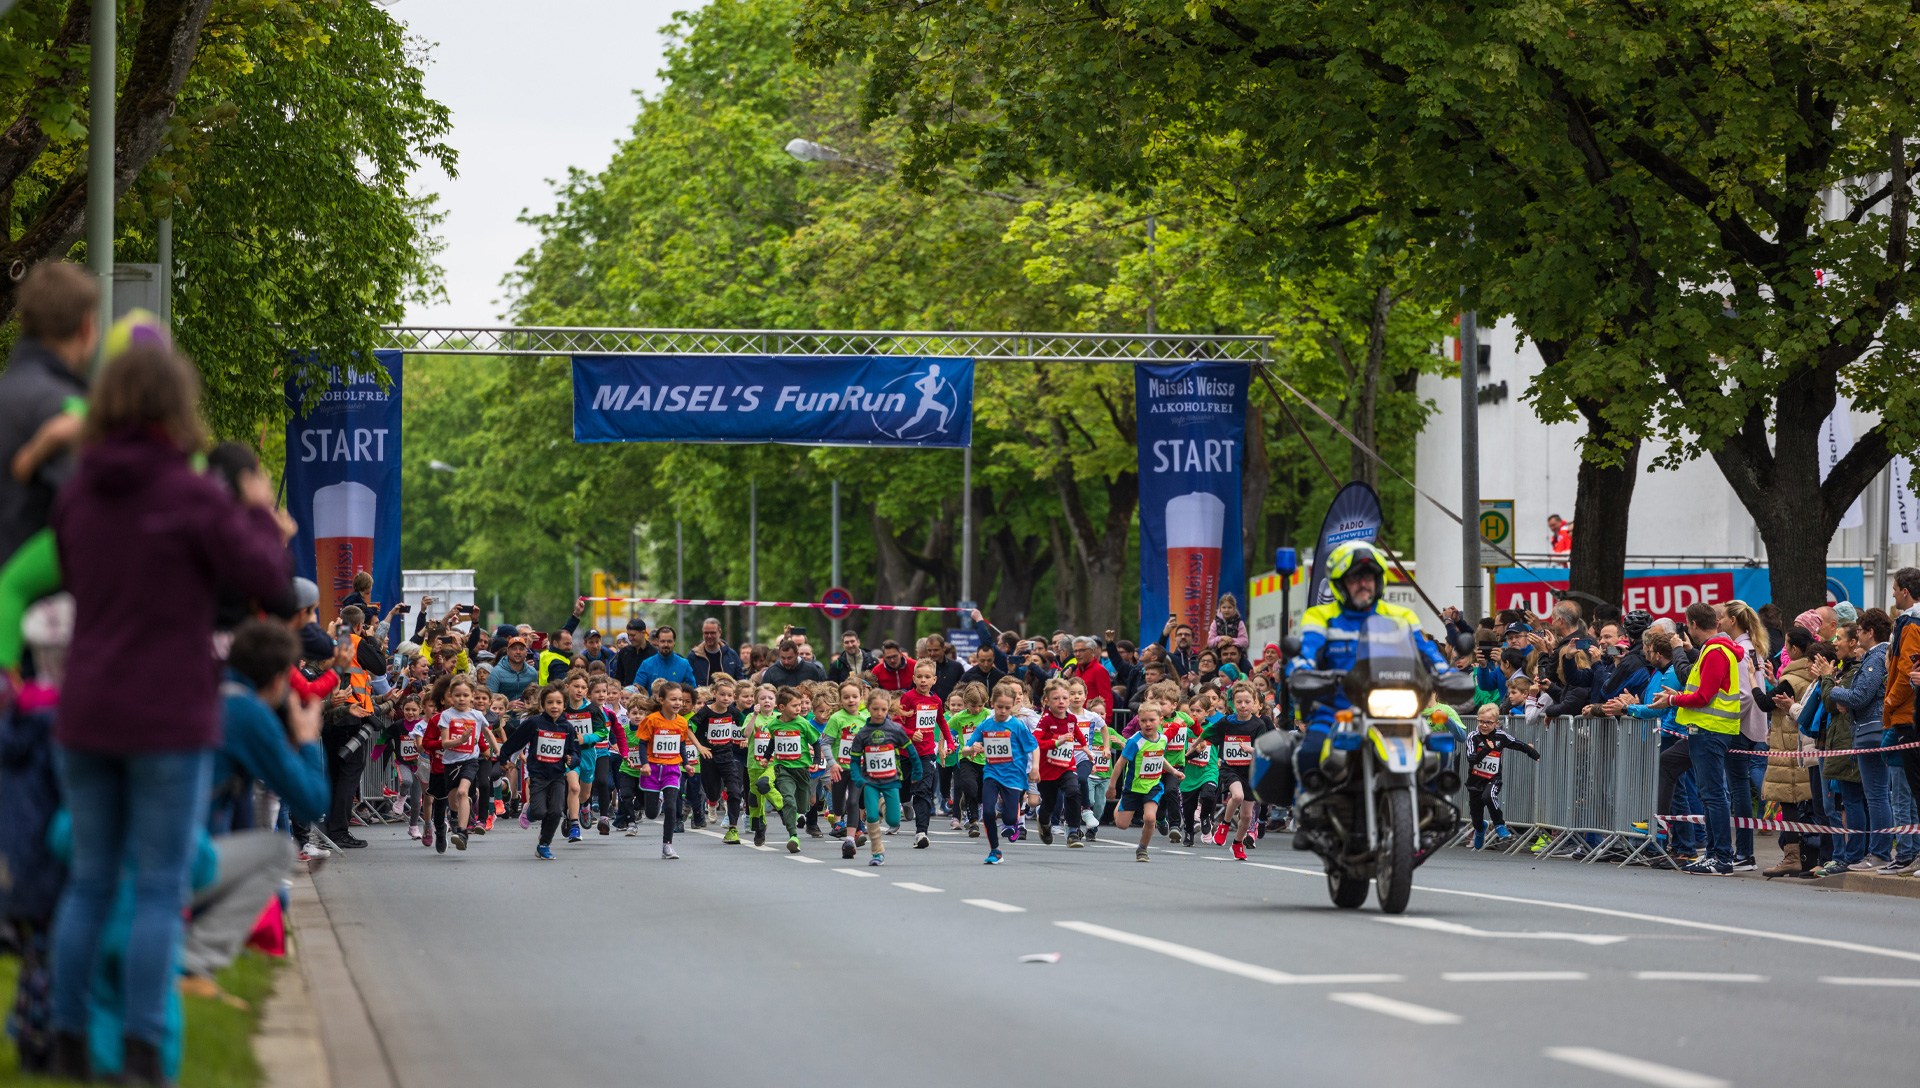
x=1348 y=892
x=1393 y=875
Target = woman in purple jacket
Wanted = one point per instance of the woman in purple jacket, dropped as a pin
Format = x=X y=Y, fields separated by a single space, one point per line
x=143 y=542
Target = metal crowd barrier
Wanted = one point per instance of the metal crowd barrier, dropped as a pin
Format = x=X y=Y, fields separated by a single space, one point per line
x=1591 y=795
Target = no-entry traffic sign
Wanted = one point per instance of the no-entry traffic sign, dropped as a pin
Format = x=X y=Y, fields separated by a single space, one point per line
x=836 y=603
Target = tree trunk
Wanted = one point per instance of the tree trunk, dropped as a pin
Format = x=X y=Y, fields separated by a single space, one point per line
x=1021 y=564
x=1602 y=499
x=1255 y=477
x=1066 y=614
x=900 y=583
x=1101 y=548
x=1363 y=469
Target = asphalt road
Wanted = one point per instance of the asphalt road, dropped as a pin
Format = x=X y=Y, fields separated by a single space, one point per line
x=736 y=966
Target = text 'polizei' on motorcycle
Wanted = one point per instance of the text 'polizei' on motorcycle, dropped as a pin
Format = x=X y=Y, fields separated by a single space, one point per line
x=1373 y=800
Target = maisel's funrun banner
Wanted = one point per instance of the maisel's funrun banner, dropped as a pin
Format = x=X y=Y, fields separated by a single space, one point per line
x=881 y=400
x=1192 y=426
x=1354 y=514
x=1666 y=592
x=343 y=485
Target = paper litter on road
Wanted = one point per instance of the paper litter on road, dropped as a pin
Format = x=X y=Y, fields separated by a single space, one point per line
x=1041 y=957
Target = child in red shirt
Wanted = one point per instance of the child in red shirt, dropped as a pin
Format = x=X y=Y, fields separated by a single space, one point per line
x=924 y=716
x=1061 y=738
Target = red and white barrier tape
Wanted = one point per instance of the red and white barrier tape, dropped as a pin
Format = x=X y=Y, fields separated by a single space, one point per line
x=1789 y=825
x=776 y=604
x=1813 y=754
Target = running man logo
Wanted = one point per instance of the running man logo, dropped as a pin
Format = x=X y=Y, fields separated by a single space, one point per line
x=934 y=404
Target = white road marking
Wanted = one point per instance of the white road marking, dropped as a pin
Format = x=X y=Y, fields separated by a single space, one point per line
x=1514 y=976
x=1171 y=850
x=1646 y=1072
x=1287 y=869
x=1201 y=958
x=856 y=872
x=1455 y=928
x=1695 y=976
x=995 y=905
x=1842 y=981
x=803 y=859
x=912 y=887
x=1387 y=1006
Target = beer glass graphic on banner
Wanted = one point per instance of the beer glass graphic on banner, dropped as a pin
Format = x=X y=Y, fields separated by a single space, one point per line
x=343 y=520
x=1195 y=524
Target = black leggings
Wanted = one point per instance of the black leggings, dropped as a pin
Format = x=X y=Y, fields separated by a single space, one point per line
x=1198 y=806
x=663 y=805
x=547 y=803
x=603 y=790
x=1067 y=786
x=966 y=790
x=1483 y=802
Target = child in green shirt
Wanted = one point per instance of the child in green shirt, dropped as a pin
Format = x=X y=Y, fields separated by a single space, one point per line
x=968 y=769
x=794 y=738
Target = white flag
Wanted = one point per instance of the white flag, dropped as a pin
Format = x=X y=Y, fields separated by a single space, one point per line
x=1836 y=438
x=1904 y=511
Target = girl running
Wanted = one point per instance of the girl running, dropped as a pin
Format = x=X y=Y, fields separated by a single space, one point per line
x=882 y=758
x=663 y=736
x=1233 y=736
x=717 y=726
x=1140 y=774
x=552 y=751
x=969 y=769
x=1006 y=748
x=454 y=733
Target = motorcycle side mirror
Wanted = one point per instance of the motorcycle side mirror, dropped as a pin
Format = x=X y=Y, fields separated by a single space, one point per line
x=1310 y=686
x=1463 y=642
x=1290 y=646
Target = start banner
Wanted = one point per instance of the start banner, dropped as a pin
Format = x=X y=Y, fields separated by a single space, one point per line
x=1669 y=592
x=1192 y=429
x=876 y=400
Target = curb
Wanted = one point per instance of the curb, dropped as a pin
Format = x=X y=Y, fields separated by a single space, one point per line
x=287 y=1043
x=1867 y=883
x=352 y=1055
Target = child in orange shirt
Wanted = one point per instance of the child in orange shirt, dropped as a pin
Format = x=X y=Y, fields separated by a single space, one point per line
x=663 y=735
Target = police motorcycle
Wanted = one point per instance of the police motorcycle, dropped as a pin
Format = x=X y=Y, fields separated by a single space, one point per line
x=1373 y=799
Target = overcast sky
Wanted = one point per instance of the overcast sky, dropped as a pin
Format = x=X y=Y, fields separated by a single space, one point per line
x=534 y=88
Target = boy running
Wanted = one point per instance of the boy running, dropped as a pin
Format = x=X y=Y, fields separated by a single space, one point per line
x=589 y=726
x=924 y=714
x=762 y=787
x=846 y=720
x=1140 y=775
x=1060 y=737
x=454 y=734
x=969 y=769
x=1483 y=779
x=794 y=740
x=724 y=772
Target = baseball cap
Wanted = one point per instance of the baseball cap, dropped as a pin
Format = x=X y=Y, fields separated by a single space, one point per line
x=636 y=624
x=1517 y=629
x=516 y=641
x=483 y=655
x=593 y=632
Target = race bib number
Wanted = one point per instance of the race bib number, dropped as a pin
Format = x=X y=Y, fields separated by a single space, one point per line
x=666 y=745
x=1237 y=751
x=1488 y=765
x=1200 y=757
x=845 y=752
x=882 y=762
x=409 y=749
x=763 y=747
x=636 y=758
x=925 y=720
x=550 y=746
x=459 y=736
x=1152 y=766
x=1102 y=760
x=1061 y=754
x=789 y=745
x=581 y=722
x=724 y=731
x=998 y=747
x=1177 y=744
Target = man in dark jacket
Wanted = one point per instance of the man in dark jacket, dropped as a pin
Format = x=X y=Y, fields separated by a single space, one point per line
x=711 y=654
x=626 y=663
x=851 y=660
x=44 y=383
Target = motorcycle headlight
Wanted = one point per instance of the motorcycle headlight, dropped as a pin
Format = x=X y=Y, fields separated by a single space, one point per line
x=1393 y=703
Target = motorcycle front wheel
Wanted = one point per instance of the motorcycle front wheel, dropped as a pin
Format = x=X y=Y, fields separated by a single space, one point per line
x=1348 y=892
x=1393 y=875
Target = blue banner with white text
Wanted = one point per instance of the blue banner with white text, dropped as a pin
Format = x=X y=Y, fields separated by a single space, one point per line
x=343 y=485
x=882 y=400
x=1192 y=424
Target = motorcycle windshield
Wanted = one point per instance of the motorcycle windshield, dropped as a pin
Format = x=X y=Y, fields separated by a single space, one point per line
x=1388 y=657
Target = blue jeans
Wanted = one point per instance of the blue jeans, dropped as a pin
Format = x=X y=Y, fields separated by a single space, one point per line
x=138 y=818
x=1744 y=777
x=1904 y=810
x=1708 y=750
x=1853 y=801
x=1873 y=780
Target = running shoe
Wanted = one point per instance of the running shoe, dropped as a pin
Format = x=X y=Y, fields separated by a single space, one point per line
x=816 y=833
x=732 y=837
x=310 y=852
x=847 y=849
x=1744 y=864
x=1864 y=865
x=1239 y=852
x=1831 y=868
x=666 y=852
x=525 y=821
x=793 y=844
x=877 y=859
x=1088 y=820
x=477 y=829
x=1249 y=843
x=1075 y=839
x=543 y=852
x=973 y=829
x=1140 y=853
x=413 y=831
x=573 y=833
x=459 y=840
x=1173 y=836
x=1092 y=833
x=1709 y=868
x=1160 y=826
x=1500 y=832
x=426 y=835
x=440 y=844
x=633 y=832
x=489 y=826
x=1220 y=832
x=605 y=826
x=921 y=842
x=759 y=836
x=1046 y=834
x=860 y=837
x=953 y=824
x=1479 y=840
x=1011 y=834
x=1895 y=867
x=993 y=857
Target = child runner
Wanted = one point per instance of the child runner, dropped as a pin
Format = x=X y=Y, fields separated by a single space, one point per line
x=1060 y=738
x=1176 y=724
x=590 y=728
x=1234 y=736
x=1139 y=775
x=724 y=773
x=847 y=719
x=763 y=790
x=663 y=736
x=1083 y=766
x=1483 y=779
x=1006 y=747
x=1103 y=743
x=604 y=690
x=950 y=756
x=454 y=734
x=552 y=749
x=969 y=769
x=633 y=766
x=794 y=741
x=924 y=714
x=406 y=760
x=1200 y=790
x=882 y=758
x=824 y=701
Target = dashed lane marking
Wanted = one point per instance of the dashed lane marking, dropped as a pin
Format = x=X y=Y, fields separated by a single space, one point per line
x=1695 y=976
x=1213 y=961
x=995 y=905
x=1440 y=926
x=803 y=859
x=856 y=872
x=1514 y=976
x=1403 y=1010
x=1646 y=1072
x=912 y=887
x=1833 y=980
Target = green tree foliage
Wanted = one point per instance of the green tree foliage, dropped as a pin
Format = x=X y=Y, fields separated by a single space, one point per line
x=702 y=220
x=1699 y=209
x=282 y=155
